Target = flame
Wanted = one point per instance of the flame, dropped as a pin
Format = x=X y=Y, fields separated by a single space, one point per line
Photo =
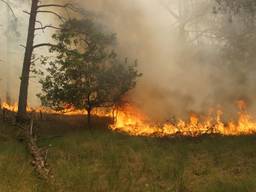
x=14 y=108
x=10 y=107
x=69 y=110
x=129 y=120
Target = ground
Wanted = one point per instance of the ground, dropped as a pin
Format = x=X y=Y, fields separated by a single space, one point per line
x=103 y=161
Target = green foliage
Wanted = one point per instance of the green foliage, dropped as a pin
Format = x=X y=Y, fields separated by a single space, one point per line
x=87 y=72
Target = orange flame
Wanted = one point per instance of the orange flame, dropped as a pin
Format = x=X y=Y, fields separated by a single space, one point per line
x=14 y=108
x=130 y=121
x=10 y=107
x=69 y=110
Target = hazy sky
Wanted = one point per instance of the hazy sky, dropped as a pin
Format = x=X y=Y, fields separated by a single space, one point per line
x=178 y=76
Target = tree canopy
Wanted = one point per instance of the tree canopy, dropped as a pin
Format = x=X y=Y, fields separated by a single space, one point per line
x=86 y=73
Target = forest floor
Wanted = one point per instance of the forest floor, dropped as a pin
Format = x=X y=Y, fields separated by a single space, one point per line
x=104 y=161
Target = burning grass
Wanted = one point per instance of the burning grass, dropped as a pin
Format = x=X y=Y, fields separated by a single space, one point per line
x=108 y=161
x=133 y=121
x=130 y=120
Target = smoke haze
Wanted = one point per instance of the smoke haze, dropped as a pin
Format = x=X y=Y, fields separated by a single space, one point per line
x=182 y=72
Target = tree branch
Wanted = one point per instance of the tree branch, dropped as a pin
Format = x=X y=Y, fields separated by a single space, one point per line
x=23 y=46
x=40 y=23
x=44 y=45
x=173 y=13
x=8 y=5
x=176 y=16
x=55 y=5
x=47 y=26
x=26 y=12
x=66 y=6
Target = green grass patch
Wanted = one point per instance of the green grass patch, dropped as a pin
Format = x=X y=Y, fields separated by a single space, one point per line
x=16 y=171
x=104 y=161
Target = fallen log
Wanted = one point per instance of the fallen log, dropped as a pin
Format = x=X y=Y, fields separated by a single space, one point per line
x=38 y=154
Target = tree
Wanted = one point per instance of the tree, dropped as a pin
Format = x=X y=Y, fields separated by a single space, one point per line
x=237 y=31
x=240 y=42
x=236 y=6
x=36 y=8
x=189 y=17
x=86 y=73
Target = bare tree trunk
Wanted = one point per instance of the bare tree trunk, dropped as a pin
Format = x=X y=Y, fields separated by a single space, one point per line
x=23 y=94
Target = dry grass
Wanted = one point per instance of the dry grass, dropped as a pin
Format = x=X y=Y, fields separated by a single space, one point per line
x=105 y=161
x=16 y=172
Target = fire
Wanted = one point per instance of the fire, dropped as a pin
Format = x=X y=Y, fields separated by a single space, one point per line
x=9 y=107
x=69 y=110
x=14 y=108
x=131 y=121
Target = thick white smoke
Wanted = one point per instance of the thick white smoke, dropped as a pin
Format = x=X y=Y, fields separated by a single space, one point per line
x=182 y=72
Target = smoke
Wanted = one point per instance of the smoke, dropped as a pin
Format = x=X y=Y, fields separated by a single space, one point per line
x=182 y=71
x=13 y=33
x=11 y=53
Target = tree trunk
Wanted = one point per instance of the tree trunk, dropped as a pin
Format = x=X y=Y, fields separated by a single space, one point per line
x=23 y=94
x=89 y=118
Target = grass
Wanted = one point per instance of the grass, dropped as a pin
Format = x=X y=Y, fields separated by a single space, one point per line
x=16 y=172
x=113 y=162
x=103 y=161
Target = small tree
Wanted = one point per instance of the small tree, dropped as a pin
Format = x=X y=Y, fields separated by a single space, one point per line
x=86 y=72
